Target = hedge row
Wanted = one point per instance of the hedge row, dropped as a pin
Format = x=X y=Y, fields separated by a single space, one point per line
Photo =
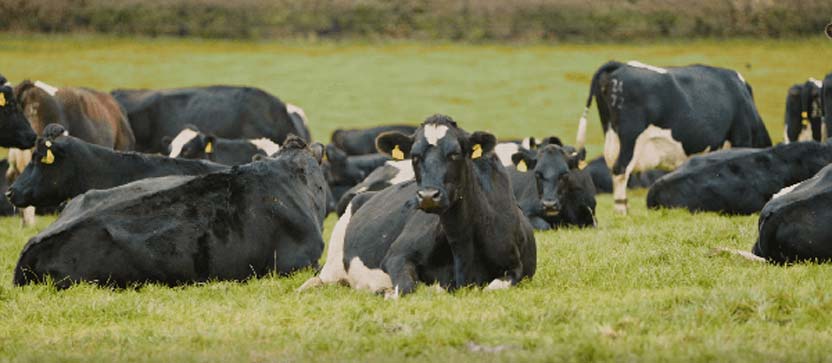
x=467 y=20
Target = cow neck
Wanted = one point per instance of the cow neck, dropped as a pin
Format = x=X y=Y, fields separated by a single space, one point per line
x=47 y=110
x=461 y=223
x=115 y=168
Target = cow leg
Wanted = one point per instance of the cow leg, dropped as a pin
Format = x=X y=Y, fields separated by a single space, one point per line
x=539 y=224
x=333 y=270
x=27 y=216
x=619 y=192
x=612 y=155
x=403 y=275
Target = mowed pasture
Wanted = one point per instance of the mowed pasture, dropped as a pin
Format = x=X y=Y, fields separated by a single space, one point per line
x=640 y=287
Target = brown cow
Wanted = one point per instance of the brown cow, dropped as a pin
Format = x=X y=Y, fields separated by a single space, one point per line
x=87 y=114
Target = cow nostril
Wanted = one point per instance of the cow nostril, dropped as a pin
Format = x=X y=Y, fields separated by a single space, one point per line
x=428 y=193
x=550 y=204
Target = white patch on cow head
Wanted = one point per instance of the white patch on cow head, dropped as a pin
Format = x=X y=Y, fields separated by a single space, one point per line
x=638 y=64
x=785 y=191
x=741 y=78
x=434 y=133
x=404 y=171
x=180 y=140
x=46 y=88
x=362 y=277
x=290 y=108
x=818 y=83
x=267 y=145
x=504 y=152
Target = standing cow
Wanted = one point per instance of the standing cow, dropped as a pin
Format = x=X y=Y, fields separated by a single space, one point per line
x=804 y=114
x=225 y=111
x=656 y=117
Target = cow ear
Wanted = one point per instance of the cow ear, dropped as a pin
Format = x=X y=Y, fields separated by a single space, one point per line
x=481 y=143
x=394 y=144
x=317 y=152
x=209 y=141
x=524 y=160
x=575 y=159
x=334 y=154
x=552 y=140
x=47 y=148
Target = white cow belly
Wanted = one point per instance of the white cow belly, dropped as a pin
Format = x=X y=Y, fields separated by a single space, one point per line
x=362 y=277
x=656 y=149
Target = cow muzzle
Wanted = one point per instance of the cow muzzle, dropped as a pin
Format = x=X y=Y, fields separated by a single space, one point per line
x=429 y=199
x=551 y=207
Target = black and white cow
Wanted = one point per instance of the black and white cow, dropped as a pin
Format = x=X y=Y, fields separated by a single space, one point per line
x=738 y=181
x=343 y=171
x=63 y=166
x=198 y=145
x=804 y=114
x=600 y=173
x=363 y=141
x=457 y=224
x=656 y=117
x=550 y=188
x=225 y=111
x=794 y=225
x=233 y=224
x=15 y=130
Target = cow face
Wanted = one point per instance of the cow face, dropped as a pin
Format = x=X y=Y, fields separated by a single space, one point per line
x=15 y=130
x=441 y=155
x=199 y=147
x=338 y=169
x=550 y=166
x=46 y=180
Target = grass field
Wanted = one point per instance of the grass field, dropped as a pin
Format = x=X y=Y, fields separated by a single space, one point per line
x=641 y=287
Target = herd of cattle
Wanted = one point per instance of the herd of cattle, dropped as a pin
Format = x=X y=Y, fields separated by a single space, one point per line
x=213 y=183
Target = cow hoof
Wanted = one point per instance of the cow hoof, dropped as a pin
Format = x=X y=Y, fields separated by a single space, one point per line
x=391 y=294
x=621 y=209
x=311 y=283
x=498 y=284
x=28 y=215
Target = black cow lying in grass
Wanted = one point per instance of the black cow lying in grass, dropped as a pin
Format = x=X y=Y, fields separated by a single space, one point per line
x=198 y=145
x=738 y=181
x=63 y=166
x=457 y=225
x=363 y=141
x=551 y=190
x=391 y=173
x=793 y=225
x=233 y=224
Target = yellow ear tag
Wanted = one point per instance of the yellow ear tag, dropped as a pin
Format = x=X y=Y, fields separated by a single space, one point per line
x=397 y=153
x=805 y=122
x=49 y=158
x=209 y=148
x=582 y=164
x=2 y=99
x=804 y=114
x=522 y=167
x=476 y=152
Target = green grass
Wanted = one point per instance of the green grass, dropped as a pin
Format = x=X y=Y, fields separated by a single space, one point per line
x=637 y=288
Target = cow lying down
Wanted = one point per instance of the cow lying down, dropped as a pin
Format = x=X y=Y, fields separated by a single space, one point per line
x=793 y=225
x=193 y=144
x=738 y=181
x=229 y=225
x=456 y=225
x=550 y=188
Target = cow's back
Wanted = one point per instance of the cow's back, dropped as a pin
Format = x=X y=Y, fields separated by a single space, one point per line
x=95 y=117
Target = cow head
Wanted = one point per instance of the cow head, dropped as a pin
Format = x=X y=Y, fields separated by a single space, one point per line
x=199 y=147
x=173 y=146
x=339 y=171
x=15 y=130
x=550 y=165
x=47 y=180
x=442 y=155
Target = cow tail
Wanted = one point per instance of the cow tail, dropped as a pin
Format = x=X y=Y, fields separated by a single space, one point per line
x=732 y=251
x=580 y=139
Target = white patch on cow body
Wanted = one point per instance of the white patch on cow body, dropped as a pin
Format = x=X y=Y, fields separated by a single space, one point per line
x=741 y=77
x=498 y=284
x=333 y=270
x=46 y=88
x=504 y=152
x=612 y=147
x=786 y=134
x=267 y=145
x=404 y=171
x=362 y=277
x=785 y=191
x=434 y=133
x=727 y=145
x=180 y=140
x=818 y=83
x=656 y=148
x=638 y=64
x=526 y=143
x=290 y=108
